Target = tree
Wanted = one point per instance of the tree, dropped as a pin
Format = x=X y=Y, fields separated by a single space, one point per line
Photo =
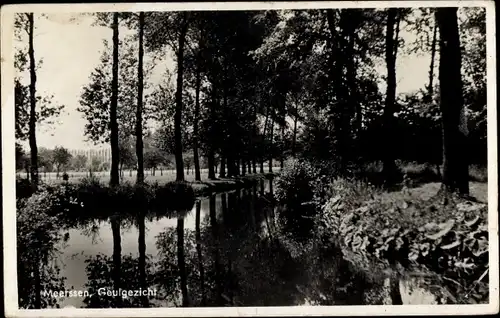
x=391 y=49
x=140 y=88
x=127 y=158
x=61 y=157
x=153 y=158
x=22 y=160
x=95 y=164
x=179 y=164
x=45 y=159
x=79 y=162
x=115 y=152
x=455 y=166
x=32 y=117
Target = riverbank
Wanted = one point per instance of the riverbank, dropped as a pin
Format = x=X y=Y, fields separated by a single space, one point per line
x=390 y=235
x=204 y=188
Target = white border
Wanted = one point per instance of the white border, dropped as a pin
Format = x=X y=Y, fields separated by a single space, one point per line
x=8 y=166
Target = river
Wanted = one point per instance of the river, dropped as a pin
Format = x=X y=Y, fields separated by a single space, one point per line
x=225 y=251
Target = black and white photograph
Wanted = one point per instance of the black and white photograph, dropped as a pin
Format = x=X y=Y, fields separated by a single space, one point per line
x=214 y=159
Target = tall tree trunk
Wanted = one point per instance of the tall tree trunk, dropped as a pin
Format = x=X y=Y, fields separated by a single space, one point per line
x=179 y=163
x=211 y=146
x=142 y=256
x=295 y=120
x=430 y=87
x=32 y=119
x=264 y=133
x=198 y=251
x=140 y=90
x=271 y=152
x=455 y=165
x=222 y=170
x=389 y=165
x=115 y=159
x=243 y=167
x=181 y=261
x=197 y=114
x=117 y=255
x=282 y=155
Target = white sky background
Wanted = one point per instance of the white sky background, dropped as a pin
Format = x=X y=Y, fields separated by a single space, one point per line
x=71 y=51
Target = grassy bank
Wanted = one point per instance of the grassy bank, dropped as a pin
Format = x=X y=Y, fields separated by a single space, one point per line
x=90 y=198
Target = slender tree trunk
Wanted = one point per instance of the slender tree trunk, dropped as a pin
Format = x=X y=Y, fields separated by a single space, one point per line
x=430 y=87
x=389 y=165
x=211 y=147
x=200 y=257
x=179 y=163
x=32 y=119
x=271 y=152
x=294 y=137
x=117 y=255
x=181 y=261
x=197 y=114
x=222 y=170
x=264 y=138
x=140 y=91
x=282 y=155
x=115 y=177
x=455 y=165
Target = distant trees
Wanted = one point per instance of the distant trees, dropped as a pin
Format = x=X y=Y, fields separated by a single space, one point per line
x=61 y=158
x=79 y=162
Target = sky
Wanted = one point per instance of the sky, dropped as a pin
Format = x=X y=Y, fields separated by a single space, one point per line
x=71 y=50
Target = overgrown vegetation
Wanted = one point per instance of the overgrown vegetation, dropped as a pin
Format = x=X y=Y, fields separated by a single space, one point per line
x=382 y=234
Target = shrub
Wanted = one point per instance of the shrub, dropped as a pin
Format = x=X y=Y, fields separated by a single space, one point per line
x=23 y=188
x=295 y=184
x=37 y=236
x=295 y=188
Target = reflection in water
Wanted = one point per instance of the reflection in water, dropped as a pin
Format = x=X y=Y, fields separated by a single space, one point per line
x=228 y=251
x=199 y=254
x=181 y=261
x=117 y=255
x=141 y=225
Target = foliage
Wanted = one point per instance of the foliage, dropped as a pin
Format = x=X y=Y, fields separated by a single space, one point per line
x=79 y=162
x=38 y=236
x=295 y=188
x=61 y=158
x=450 y=242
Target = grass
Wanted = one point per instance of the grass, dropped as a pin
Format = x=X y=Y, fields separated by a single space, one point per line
x=166 y=176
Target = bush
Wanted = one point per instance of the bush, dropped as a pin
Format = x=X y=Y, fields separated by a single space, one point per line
x=295 y=188
x=296 y=183
x=23 y=188
x=38 y=233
